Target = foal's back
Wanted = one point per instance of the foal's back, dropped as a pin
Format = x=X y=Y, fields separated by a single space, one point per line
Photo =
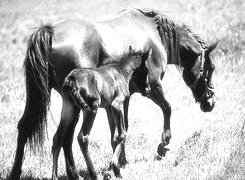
x=106 y=82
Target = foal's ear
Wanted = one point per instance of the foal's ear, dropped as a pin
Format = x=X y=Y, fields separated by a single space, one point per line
x=212 y=47
x=146 y=56
x=149 y=52
x=131 y=51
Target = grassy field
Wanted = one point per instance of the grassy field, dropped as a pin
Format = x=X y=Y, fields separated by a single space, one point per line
x=203 y=145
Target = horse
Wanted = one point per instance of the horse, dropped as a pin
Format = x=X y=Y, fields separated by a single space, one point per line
x=54 y=50
x=106 y=86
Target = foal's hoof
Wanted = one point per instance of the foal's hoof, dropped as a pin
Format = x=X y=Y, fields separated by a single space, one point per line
x=107 y=176
x=123 y=161
x=116 y=170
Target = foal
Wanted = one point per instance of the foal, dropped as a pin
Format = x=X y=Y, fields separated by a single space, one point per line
x=106 y=87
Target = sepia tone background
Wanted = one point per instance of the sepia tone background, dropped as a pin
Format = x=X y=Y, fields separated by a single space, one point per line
x=203 y=145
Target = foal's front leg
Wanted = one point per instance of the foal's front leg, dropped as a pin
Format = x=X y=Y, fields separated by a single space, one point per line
x=120 y=138
x=122 y=158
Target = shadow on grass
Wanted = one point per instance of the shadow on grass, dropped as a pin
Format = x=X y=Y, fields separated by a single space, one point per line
x=105 y=172
x=32 y=178
x=83 y=173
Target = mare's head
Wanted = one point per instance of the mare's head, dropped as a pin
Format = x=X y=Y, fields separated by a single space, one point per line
x=196 y=59
x=188 y=50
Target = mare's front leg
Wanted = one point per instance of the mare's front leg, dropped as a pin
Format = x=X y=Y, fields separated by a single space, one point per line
x=119 y=138
x=157 y=96
x=83 y=139
x=69 y=116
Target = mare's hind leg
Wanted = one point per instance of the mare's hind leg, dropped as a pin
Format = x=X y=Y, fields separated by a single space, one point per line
x=67 y=117
x=83 y=140
x=157 y=96
x=71 y=170
x=21 y=141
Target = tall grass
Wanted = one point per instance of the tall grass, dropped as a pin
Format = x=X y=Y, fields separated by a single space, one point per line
x=203 y=145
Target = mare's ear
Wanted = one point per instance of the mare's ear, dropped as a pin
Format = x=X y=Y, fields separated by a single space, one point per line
x=212 y=47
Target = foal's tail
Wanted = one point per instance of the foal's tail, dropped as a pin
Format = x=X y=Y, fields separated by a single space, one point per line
x=39 y=76
x=70 y=84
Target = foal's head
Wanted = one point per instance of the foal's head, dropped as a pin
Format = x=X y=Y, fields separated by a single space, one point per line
x=137 y=62
x=196 y=58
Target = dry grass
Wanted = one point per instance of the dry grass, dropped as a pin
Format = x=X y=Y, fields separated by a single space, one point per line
x=203 y=146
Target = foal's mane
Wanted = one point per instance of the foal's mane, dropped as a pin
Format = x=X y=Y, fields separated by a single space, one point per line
x=123 y=59
x=170 y=32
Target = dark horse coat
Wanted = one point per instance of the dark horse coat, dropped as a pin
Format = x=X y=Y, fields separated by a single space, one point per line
x=54 y=50
x=106 y=86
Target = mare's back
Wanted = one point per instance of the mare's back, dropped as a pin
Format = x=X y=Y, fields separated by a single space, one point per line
x=129 y=27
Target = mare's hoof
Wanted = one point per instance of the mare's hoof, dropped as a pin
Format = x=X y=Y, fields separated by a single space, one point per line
x=166 y=136
x=161 y=151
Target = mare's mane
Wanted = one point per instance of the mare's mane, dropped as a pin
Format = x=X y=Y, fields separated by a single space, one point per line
x=170 y=33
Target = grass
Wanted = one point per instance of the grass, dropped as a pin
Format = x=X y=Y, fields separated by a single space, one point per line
x=203 y=145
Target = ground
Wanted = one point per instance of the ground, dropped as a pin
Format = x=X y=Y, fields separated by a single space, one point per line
x=203 y=145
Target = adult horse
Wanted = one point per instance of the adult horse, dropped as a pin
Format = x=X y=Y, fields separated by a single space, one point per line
x=54 y=50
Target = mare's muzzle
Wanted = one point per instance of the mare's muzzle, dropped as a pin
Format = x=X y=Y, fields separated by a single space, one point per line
x=207 y=101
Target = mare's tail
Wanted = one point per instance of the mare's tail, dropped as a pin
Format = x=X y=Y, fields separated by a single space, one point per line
x=39 y=77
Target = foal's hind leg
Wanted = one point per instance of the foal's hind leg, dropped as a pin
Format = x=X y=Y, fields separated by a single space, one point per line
x=71 y=170
x=67 y=117
x=157 y=96
x=83 y=139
